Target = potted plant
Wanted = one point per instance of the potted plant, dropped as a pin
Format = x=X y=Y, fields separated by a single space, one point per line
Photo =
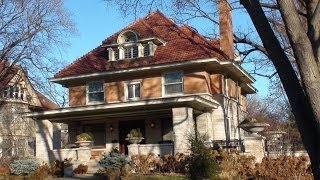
x=84 y=139
x=134 y=136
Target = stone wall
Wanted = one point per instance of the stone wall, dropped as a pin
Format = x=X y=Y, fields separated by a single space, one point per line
x=145 y=149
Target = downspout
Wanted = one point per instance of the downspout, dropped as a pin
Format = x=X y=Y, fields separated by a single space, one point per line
x=226 y=111
x=238 y=114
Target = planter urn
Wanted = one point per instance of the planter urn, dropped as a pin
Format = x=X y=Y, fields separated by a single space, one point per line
x=84 y=143
x=254 y=128
x=134 y=140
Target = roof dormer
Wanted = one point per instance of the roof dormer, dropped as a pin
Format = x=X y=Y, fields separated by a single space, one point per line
x=129 y=46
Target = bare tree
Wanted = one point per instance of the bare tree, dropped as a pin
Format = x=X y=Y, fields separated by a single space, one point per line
x=289 y=36
x=29 y=31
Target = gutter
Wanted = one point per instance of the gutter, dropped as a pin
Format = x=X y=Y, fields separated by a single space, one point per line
x=157 y=67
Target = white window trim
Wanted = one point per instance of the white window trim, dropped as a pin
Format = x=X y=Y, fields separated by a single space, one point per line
x=126 y=90
x=87 y=94
x=163 y=84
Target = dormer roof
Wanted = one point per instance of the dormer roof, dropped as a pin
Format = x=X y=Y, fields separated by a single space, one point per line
x=181 y=43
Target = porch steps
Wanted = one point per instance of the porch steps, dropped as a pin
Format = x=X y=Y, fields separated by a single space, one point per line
x=93 y=165
x=96 y=154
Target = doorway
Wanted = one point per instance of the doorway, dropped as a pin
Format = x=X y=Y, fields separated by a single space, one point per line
x=124 y=128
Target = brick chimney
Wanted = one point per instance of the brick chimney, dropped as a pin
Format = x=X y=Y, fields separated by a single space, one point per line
x=226 y=33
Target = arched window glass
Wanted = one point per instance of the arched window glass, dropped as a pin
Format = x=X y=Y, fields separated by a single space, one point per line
x=127 y=37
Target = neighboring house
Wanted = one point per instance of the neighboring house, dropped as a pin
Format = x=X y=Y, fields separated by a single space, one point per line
x=17 y=96
x=167 y=80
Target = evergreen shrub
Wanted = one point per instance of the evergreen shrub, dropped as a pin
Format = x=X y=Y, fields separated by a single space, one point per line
x=114 y=161
x=22 y=167
x=201 y=162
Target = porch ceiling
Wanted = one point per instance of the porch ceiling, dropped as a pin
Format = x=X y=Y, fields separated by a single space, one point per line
x=155 y=107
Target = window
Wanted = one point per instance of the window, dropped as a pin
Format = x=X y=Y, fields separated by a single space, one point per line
x=131 y=52
x=146 y=50
x=133 y=90
x=13 y=92
x=173 y=83
x=95 y=92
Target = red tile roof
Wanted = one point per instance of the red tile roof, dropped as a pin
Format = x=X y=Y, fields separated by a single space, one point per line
x=45 y=102
x=182 y=44
x=4 y=65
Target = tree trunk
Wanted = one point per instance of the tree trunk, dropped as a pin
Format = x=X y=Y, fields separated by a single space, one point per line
x=305 y=115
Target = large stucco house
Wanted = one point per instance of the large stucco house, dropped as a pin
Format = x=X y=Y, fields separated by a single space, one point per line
x=165 y=79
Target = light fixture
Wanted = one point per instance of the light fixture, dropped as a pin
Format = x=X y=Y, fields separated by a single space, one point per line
x=111 y=128
x=152 y=124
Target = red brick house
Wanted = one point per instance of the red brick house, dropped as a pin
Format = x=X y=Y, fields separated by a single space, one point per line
x=167 y=80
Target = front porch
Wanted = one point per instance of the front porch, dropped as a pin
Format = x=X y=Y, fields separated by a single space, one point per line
x=164 y=122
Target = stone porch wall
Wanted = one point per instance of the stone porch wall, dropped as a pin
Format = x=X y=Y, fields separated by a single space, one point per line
x=76 y=154
x=145 y=149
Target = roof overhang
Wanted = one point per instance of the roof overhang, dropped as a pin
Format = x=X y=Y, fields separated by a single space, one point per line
x=200 y=103
x=228 y=68
x=248 y=88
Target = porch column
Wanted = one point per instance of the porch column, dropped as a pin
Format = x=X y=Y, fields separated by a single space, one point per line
x=44 y=141
x=183 y=127
x=204 y=125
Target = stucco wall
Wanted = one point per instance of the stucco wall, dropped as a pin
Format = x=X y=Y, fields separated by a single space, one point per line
x=114 y=92
x=196 y=83
x=77 y=95
x=151 y=87
x=216 y=83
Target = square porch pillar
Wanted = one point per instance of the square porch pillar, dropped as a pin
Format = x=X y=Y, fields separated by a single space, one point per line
x=204 y=125
x=44 y=141
x=183 y=127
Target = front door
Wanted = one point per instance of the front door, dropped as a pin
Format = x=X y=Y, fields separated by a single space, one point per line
x=124 y=128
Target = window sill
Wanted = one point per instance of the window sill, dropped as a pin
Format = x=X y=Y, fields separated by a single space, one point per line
x=95 y=102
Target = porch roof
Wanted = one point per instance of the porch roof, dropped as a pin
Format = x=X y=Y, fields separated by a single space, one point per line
x=200 y=103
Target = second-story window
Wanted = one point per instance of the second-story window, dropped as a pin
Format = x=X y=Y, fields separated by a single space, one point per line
x=133 y=90
x=173 y=83
x=13 y=92
x=95 y=92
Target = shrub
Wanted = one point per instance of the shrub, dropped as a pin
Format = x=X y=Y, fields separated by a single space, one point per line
x=144 y=163
x=4 y=170
x=114 y=165
x=173 y=164
x=114 y=161
x=85 y=137
x=21 y=167
x=201 y=162
x=283 y=167
x=232 y=165
x=81 y=169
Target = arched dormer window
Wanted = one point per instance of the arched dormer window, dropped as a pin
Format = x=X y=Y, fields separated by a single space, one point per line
x=127 y=37
x=129 y=46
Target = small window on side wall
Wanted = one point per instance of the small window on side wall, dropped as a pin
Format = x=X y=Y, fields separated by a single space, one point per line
x=173 y=83
x=133 y=91
x=95 y=92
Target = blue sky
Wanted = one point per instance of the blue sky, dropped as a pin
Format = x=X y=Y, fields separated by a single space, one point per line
x=95 y=21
